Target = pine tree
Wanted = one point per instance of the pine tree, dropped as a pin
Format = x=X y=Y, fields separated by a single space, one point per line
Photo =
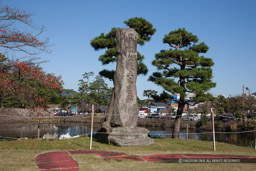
x=182 y=70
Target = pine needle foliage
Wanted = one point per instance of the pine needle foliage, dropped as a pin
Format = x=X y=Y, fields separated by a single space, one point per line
x=108 y=41
x=184 y=70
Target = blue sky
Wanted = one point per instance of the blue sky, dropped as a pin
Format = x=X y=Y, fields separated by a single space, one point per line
x=227 y=27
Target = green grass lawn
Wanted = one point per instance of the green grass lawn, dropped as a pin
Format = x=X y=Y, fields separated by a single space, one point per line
x=20 y=154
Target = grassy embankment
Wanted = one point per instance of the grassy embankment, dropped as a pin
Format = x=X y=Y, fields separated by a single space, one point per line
x=20 y=155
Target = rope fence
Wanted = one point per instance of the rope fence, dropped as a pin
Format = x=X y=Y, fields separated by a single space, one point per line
x=57 y=116
x=151 y=134
x=160 y=134
x=80 y=115
x=250 y=143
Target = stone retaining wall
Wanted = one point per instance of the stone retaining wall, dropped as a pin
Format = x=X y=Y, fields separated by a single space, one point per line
x=17 y=114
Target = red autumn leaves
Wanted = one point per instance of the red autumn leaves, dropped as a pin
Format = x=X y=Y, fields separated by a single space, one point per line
x=21 y=79
x=34 y=73
x=16 y=13
x=23 y=82
x=8 y=35
x=19 y=38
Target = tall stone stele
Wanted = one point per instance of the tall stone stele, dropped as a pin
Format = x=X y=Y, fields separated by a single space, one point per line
x=122 y=128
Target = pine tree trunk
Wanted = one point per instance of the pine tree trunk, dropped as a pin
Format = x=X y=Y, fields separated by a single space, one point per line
x=176 y=129
x=181 y=106
x=177 y=121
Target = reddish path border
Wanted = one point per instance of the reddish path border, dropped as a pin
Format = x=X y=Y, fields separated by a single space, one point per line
x=56 y=161
x=62 y=161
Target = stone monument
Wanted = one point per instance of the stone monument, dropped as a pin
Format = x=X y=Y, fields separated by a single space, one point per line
x=121 y=123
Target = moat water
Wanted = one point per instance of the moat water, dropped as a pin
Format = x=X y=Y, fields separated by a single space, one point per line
x=28 y=130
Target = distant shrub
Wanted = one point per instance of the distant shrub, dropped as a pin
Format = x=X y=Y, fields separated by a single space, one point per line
x=202 y=122
x=252 y=123
x=232 y=127
x=218 y=125
x=238 y=115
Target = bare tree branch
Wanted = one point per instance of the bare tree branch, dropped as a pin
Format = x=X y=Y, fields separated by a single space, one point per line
x=18 y=40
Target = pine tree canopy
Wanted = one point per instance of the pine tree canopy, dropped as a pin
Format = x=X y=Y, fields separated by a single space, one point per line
x=182 y=68
x=108 y=41
x=144 y=29
x=105 y=40
x=107 y=74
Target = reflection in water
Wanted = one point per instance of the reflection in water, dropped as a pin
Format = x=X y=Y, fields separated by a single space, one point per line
x=73 y=130
x=19 y=130
x=242 y=139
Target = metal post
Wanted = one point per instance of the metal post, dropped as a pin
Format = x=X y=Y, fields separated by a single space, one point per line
x=92 y=116
x=213 y=131
x=186 y=132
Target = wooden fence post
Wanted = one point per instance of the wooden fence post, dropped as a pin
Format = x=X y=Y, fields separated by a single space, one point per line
x=213 y=131
x=92 y=116
x=186 y=132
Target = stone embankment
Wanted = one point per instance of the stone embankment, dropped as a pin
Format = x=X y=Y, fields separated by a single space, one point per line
x=25 y=115
x=19 y=114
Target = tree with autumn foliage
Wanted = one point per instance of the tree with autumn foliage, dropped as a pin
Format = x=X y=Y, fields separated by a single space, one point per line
x=22 y=80
x=20 y=40
x=183 y=70
x=27 y=83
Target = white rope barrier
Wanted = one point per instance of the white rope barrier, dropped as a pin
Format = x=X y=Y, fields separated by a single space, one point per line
x=79 y=115
x=167 y=134
x=201 y=133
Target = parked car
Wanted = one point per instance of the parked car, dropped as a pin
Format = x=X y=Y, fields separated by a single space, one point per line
x=142 y=114
x=157 y=116
x=226 y=118
x=60 y=114
x=169 y=116
x=194 y=117
x=64 y=114
x=184 y=116
x=173 y=116
x=191 y=117
x=69 y=114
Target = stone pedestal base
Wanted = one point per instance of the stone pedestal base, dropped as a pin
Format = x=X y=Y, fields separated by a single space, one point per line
x=128 y=137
